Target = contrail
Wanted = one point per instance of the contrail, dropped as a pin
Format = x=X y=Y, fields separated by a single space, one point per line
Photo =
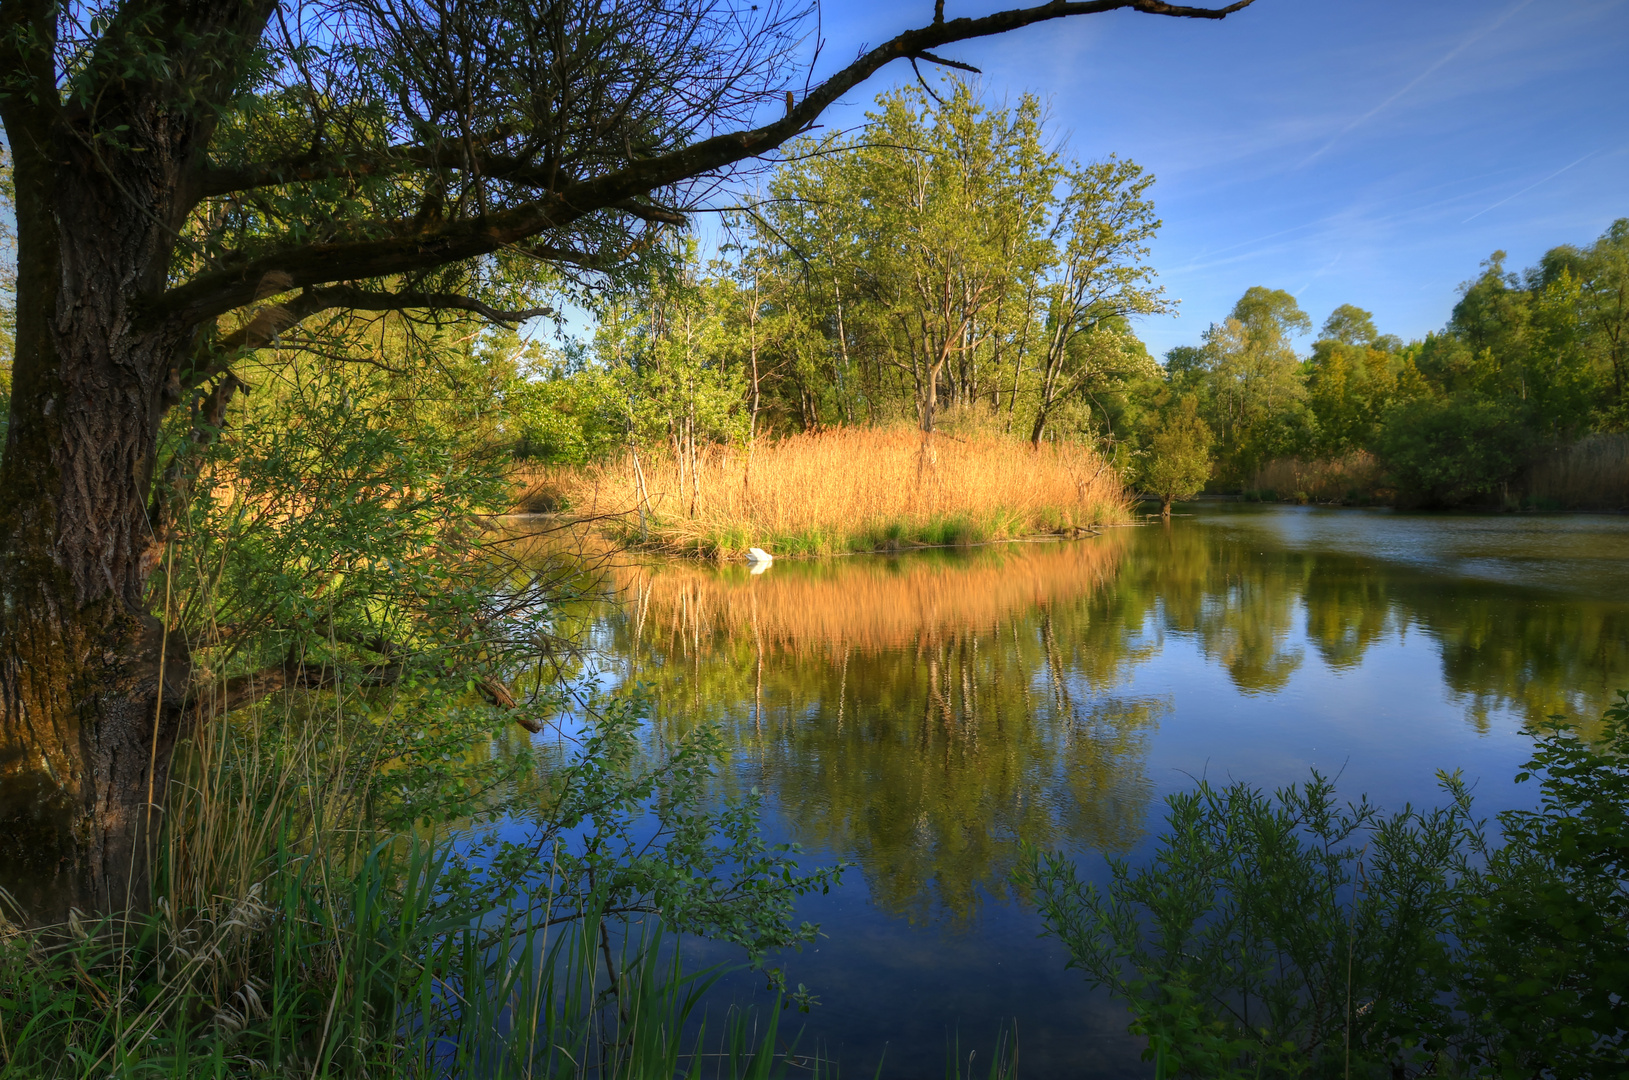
x=1529 y=187
x=1417 y=80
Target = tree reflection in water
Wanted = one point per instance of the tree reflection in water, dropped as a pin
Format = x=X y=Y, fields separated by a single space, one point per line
x=919 y=715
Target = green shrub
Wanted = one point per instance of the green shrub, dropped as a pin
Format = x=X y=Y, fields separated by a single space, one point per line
x=1547 y=918
x=1450 y=451
x=1288 y=936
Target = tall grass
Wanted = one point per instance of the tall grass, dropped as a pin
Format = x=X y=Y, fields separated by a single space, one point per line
x=285 y=936
x=848 y=489
x=1354 y=478
x=1590 y=474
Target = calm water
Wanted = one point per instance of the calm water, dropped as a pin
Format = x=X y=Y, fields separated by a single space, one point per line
x=918 y=716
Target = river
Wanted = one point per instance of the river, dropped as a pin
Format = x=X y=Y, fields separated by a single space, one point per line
x=918 y=716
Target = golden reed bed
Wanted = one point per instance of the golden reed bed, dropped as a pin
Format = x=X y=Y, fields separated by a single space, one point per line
x=864 y=604
x=847 y=489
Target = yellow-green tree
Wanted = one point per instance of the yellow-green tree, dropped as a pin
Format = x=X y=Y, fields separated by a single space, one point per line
x=1178 y=455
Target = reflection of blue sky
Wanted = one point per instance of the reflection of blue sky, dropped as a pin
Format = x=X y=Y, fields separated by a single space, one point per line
x=1366 y=152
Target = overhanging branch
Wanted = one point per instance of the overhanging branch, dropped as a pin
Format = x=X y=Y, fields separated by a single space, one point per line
x=274 y=319
x=220 y=291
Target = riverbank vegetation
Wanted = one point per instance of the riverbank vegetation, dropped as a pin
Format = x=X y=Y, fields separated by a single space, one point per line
x=1291 y=935
x=944 y=271
x=1518 y=402
x=846 y=489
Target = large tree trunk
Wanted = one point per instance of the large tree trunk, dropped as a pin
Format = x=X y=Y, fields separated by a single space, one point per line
x=86 y=721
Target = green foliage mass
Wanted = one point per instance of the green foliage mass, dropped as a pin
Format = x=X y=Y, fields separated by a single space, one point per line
x=1548 y=916
x=944 y=264
x=1289 y=935
x=1526 y=364
x=1178 y=455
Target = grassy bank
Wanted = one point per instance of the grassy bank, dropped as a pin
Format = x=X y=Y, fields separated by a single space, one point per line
x=296 y=927
x=850 y=489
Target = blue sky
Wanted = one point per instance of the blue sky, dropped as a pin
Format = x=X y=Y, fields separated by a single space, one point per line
x=1372 y=152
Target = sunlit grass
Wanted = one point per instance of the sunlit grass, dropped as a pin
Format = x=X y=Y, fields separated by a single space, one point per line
x=849 y=489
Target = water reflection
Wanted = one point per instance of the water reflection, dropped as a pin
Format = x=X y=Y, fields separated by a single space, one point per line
x=916 y=716
x=919 y=715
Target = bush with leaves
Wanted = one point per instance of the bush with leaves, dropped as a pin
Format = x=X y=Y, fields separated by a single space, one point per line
x=1547 y=919
x=1271 y=935
x=1288 y=936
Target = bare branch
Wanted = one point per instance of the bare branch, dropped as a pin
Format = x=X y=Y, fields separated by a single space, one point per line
x=957 y=64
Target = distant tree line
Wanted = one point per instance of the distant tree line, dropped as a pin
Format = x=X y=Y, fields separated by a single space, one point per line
x=1526 y=363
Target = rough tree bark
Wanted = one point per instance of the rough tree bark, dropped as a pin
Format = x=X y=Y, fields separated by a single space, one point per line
x=85 y=709
x=112 y=158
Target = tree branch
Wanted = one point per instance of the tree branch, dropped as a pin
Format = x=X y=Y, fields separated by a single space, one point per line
x=957 y=64
x=657 y=215
x=345 y=296
x=223 y=290
x=404 y=157
x=218 y=355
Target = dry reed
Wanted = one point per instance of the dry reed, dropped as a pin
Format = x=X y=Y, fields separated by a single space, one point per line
x=1356 y=477
x=1590 y=474
x=849 y=489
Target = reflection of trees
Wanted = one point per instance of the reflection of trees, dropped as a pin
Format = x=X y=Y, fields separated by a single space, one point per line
x=917 y=717
x=1536 y=653
x=1239 y=604
x=920 y=715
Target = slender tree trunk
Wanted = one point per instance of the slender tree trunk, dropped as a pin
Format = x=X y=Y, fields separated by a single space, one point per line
x=644 y=496
x=752 y=352
x=842 y=345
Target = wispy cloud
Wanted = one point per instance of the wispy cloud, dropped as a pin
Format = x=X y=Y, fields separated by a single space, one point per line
x=1417 y=80
x=1529 y=187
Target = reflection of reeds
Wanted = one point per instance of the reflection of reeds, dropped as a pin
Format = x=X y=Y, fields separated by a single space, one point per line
x=1591 y=474
x=864 y=604
x=847 y=489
